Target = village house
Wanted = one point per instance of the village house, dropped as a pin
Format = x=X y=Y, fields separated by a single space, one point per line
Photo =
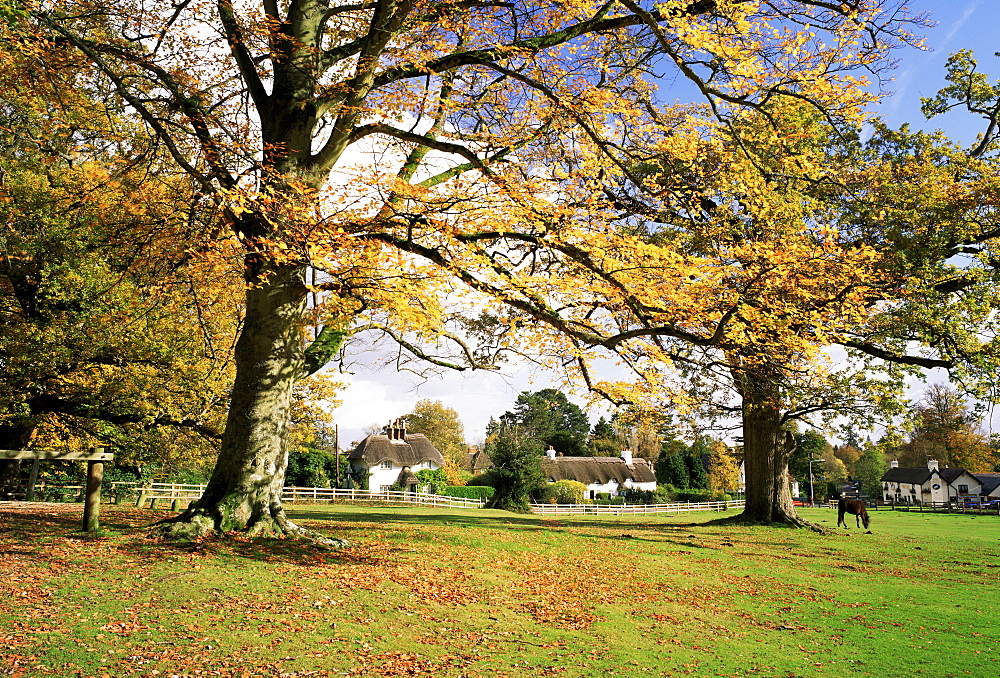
x=477 y=461
x=394 y=457
x=611 y=475
x=989 y=486
x=931 y=485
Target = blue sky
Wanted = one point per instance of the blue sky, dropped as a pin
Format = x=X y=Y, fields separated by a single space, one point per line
x=972 y=24
x=376 y=397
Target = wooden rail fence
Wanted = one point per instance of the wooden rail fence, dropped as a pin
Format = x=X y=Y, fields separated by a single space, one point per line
x=177 y=494
x=91 y=492
x=632 y=509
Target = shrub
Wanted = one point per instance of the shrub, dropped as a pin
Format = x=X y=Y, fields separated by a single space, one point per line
x=564 y=492
x=435 y=479
x=664 y=494
x=632 y=495
x=467 y=491
x=700 y=495
x=187 y=476
x=309 y=467
x=484 y=479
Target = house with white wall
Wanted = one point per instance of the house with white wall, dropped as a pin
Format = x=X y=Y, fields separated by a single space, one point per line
x=931 y=485
x=394 y=457
x=989 y=486
x=612 y=475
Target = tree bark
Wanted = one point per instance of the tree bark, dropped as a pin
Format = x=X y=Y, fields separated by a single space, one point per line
x=767 y=447
x=244 y=491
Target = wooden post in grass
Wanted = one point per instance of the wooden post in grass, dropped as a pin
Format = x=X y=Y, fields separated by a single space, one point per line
x=92 y=500
x=32 y=479
x=95 y=459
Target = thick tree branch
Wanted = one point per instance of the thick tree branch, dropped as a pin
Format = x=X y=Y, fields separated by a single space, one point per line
x=49 y=404
x=897 y=358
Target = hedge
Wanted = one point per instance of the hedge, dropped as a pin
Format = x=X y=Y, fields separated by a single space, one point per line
x=467 y=491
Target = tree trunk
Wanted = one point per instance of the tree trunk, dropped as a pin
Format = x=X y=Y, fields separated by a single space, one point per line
x=14 y=436
x=767 y=448
x=244 y=492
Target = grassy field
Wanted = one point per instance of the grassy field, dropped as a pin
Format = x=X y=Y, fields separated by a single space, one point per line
x=479 y=593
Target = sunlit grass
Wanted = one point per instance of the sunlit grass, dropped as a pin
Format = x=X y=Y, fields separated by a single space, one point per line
x=481 y=593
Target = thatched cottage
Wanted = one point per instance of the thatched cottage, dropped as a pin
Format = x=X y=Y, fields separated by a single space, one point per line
x=394 y=457
x=600 y=474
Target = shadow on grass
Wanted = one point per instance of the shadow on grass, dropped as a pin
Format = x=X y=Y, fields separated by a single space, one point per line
x=62 y=520
x=29 y=527
x=353 y=524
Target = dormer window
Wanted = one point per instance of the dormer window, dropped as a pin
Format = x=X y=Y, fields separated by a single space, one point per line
x=386 y=464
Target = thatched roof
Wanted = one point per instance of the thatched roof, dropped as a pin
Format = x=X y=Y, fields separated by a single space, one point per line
x=590 y=470
x=410 y=450
x=477 y=461
x=407 y=478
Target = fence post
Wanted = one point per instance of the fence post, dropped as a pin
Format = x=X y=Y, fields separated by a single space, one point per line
x=32 y=479
x=92 y=500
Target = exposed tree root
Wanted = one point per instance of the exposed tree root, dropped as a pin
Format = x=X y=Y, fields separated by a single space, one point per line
x=783 y=520
x=199 y=522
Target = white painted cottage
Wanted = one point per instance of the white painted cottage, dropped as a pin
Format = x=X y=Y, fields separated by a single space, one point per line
x=394 y=457
x=931 y=485
x=600 y=474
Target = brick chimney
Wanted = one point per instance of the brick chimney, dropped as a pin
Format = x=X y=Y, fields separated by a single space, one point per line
x=396 y=430
x=627 y=456
x=893 y=464
x=551 y=452
x=932 y=464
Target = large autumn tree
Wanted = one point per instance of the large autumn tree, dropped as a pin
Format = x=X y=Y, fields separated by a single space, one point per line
x=897 y=241
x=111 y=331
x=473 y=135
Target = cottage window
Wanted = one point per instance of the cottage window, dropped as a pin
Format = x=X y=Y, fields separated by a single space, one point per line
x=963 y=489
x=386 y=464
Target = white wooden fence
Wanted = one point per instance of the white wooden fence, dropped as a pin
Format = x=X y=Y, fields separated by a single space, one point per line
x=176 y=494
x=630 y=509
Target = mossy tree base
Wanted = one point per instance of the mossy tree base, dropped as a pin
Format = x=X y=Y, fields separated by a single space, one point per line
x=198 y=522
x=780 y=519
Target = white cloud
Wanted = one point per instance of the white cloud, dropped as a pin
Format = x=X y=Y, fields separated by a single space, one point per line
x=476 y=396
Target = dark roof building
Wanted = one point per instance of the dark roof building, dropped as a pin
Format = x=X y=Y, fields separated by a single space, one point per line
x=930 y=485
x=990 y=484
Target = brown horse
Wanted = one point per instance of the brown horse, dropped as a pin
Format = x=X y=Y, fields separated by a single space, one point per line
x=855 y=508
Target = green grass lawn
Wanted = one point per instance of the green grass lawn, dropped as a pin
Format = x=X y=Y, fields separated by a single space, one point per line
x=437 y=592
